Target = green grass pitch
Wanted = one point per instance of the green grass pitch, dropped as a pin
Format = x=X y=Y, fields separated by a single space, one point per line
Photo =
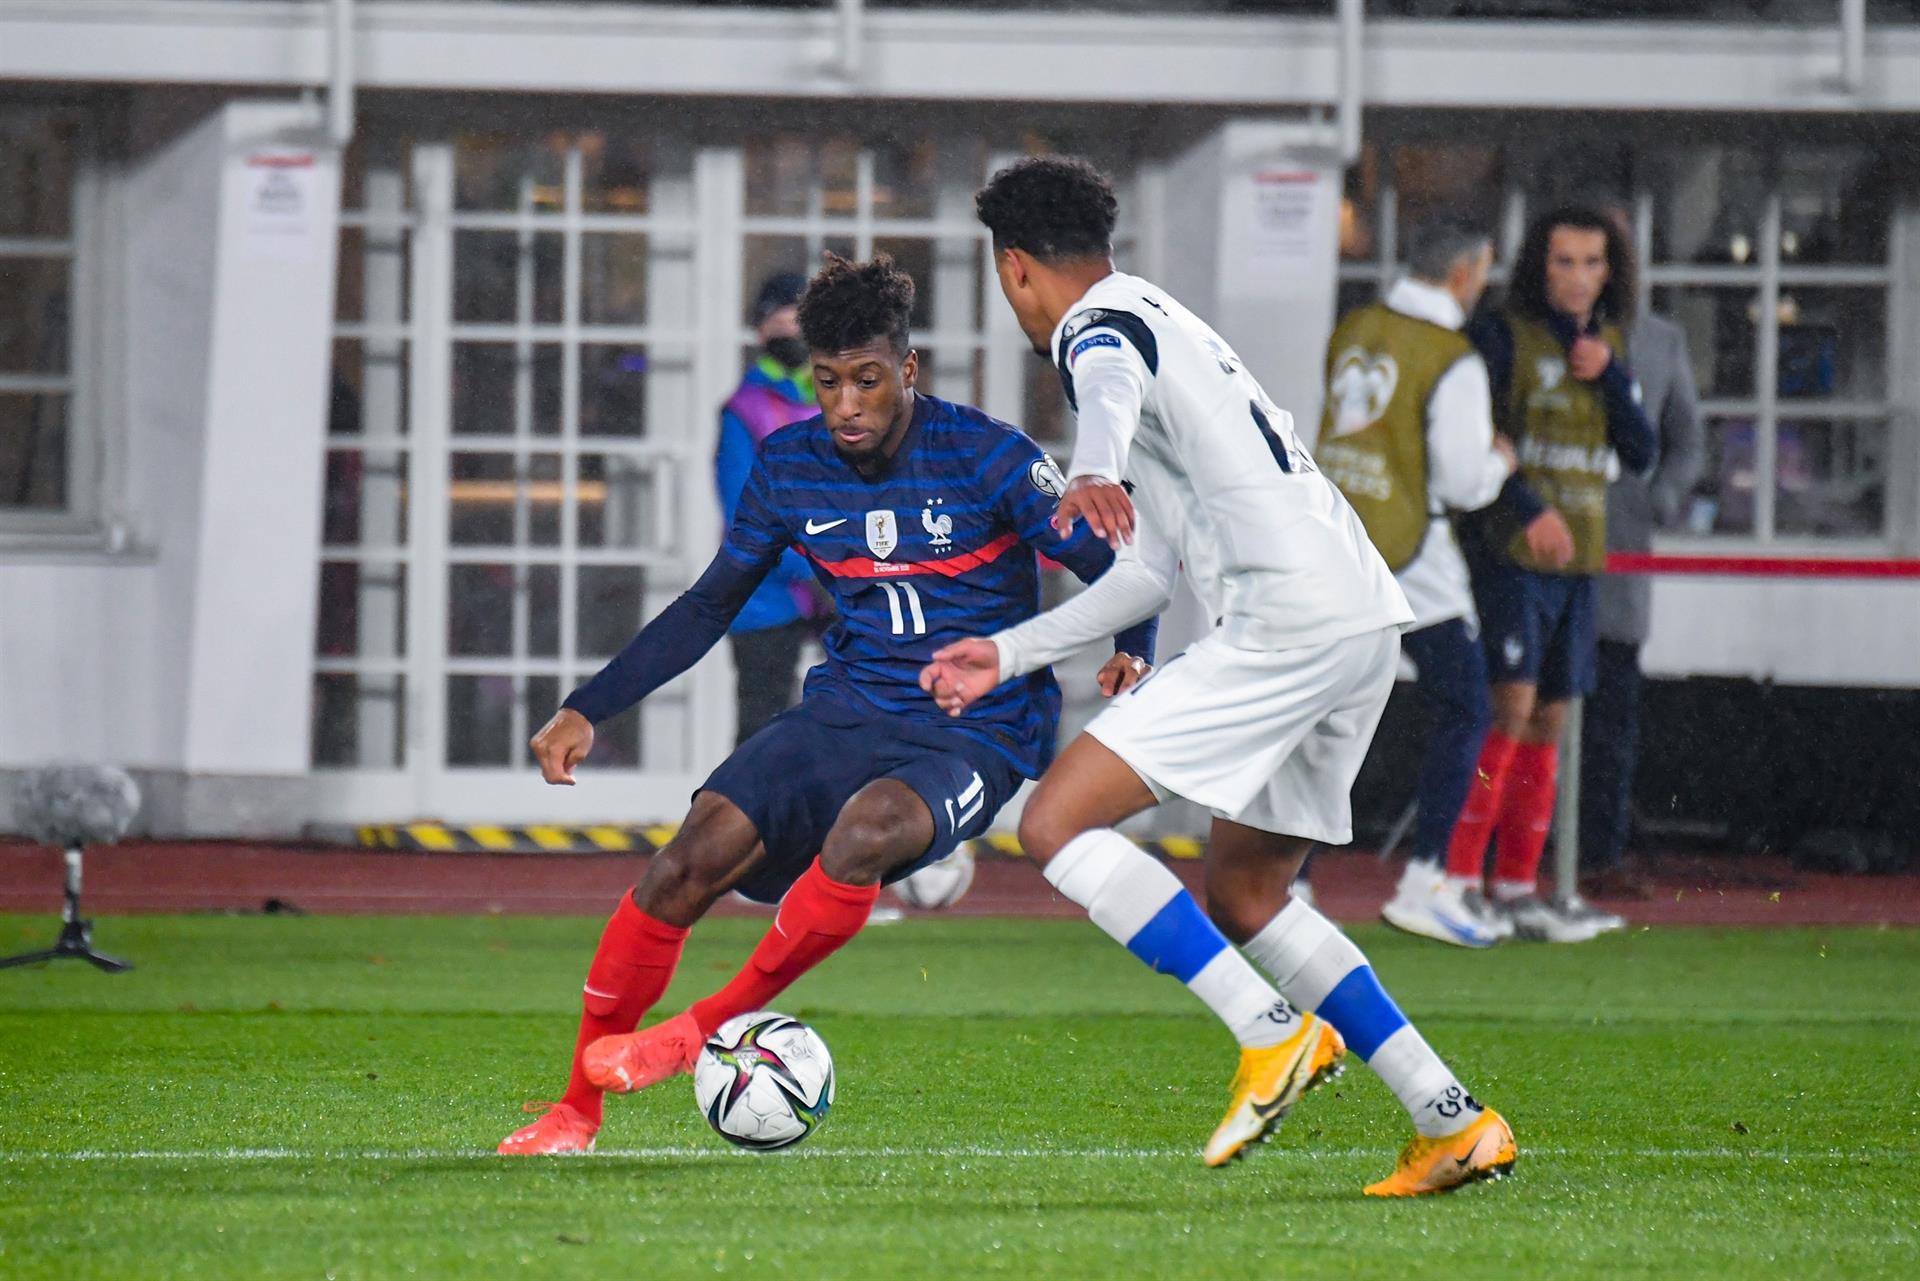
x=319 y=1097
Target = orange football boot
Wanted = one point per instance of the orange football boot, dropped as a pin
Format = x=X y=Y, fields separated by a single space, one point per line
x=1484 y=1150
x=623 y=1064
x=561 y=1132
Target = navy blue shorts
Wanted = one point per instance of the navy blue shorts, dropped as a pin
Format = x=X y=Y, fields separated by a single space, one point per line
x=795 y=774
x=1538 y=628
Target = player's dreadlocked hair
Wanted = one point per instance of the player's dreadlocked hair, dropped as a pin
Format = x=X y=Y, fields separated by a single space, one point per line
x=851 y=303
x=1053 y=207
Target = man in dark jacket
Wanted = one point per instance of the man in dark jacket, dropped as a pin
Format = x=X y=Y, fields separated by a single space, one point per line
x=1636 y=506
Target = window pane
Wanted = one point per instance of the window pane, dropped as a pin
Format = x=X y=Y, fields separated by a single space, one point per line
x=617 y=382
x=373 y=275
x=611 y=598
x=1722 y=501
x=618 y=501
x=783 y=172
x=368 y=396
x=543 y=610
x=359 y=720
x=479 y=720
x=1719 y=325
x=480 y=610
x=958 y=374
x=1708 y=205
x=1833 y=342
x=1465 y=182
x=33 y=318
x=1835 y=204
x=506 y=172
x=363 y=610
x=503 y=277
x=498 y=500
x=37 y=151
x=1832 y=478
x=613 y=279
x=33 y=450
x=506 y=389
x=366 y=498
x=616 y=173
x=906 y=178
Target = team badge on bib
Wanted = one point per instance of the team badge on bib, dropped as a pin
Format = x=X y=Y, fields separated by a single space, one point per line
x=883 y=533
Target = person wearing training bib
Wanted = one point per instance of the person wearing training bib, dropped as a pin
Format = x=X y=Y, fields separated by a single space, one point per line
x=1406 y=432
x=1556 y=358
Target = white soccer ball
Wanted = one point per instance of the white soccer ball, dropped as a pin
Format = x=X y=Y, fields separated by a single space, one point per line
x=939 y=884
x=764 y=1080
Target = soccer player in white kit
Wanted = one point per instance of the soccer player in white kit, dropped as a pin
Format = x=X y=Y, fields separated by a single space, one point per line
x=1266 y=720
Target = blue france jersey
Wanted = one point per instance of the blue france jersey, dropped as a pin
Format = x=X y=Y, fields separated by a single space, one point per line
x=936 y=545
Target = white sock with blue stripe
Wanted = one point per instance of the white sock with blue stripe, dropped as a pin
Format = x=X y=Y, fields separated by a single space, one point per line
x=1133 y=897
x=1320 y=969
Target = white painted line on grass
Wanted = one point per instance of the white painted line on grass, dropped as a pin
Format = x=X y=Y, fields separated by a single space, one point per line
x=962 y=1152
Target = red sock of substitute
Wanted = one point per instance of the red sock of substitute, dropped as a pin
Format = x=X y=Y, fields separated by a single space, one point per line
x=817 y=916
x=630 y=970
x=1467 y=850
x=1525 y=816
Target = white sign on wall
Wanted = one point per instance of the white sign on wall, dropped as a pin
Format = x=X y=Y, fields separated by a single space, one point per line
x=279 y=192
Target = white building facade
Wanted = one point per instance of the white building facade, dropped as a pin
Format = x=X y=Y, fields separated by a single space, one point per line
x=337 y=445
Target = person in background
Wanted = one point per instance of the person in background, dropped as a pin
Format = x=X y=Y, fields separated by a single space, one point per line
x=1556 y=358
x=1406 y=432
x=1636 y=506
x=777 y=619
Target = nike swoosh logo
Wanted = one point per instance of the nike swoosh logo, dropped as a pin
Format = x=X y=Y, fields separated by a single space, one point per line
x=1464 y=1161
x=824 y=527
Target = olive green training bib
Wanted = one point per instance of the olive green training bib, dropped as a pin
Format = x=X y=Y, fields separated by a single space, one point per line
x=1382 y=367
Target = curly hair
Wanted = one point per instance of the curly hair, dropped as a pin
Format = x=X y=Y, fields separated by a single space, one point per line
x=1527 y=292
x=1056 y=208
x=848 y=304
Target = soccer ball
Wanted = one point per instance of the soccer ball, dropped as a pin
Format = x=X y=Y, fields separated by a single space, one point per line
x=939 y=884
x=764 y=1080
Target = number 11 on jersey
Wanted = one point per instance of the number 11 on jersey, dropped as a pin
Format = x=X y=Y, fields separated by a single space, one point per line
x=894 y=592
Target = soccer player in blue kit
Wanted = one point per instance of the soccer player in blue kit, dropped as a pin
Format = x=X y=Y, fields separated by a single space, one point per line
x=922 y=518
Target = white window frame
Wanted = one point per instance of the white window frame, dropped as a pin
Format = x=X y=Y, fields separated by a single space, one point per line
x=89 y=522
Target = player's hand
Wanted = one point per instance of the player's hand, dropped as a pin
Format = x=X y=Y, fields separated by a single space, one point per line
x=1588 y=358
x=1121 y=673
x=1104 y=505
x=961 y=673
x=561 y=744
x=1504 y=447
x=1549 y=539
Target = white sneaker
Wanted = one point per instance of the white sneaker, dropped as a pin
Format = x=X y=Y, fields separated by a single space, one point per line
x=1546 y=922
x=1425 y=904
x=1303 y=890
x=1603 y=921
x=1494 y=921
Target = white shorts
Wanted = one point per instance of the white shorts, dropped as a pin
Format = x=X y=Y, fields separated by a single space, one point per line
x=1269 y=739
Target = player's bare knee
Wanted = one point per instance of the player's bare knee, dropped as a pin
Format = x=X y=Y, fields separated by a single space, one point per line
x=884 y=825
x=1043 y=831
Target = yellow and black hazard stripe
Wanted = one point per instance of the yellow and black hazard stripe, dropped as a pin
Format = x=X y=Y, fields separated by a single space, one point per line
x=608 y=838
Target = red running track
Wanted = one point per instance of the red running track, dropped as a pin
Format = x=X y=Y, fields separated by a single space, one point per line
x=240 y=877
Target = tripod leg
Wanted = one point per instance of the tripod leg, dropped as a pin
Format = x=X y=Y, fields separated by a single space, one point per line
x=29 y=958
x=107 y=963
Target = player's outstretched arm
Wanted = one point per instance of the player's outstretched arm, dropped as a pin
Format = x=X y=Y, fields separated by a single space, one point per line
x=677 y=638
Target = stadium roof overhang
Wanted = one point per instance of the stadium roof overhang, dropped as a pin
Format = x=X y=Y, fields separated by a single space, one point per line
x=952 y=55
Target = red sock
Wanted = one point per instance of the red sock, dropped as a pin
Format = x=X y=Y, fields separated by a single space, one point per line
x=817 y=916
x=630 y=970
x=1467 y=850
x=1526 y=814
